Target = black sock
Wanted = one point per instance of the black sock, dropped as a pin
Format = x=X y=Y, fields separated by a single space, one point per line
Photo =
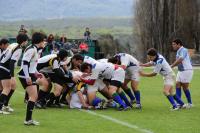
x=63 y=97
x=29 y=110
x=57 y=99
x=8 y=97
x=26 y=96
x=51 y=99
x=42 y=95
x=3 y=98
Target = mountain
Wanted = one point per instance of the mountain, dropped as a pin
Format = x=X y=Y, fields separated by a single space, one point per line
x=11 y=10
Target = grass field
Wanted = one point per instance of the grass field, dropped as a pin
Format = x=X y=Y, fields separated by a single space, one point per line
x=155 y=117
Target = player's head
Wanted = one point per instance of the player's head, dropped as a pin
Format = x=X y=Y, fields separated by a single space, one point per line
x=4 y=43
x=77 y=60
x=22 y=39
x=176 y=44
x=38 y=39
x=152 y=54
x=114 y=60
x=86 y=68
x=62 y=55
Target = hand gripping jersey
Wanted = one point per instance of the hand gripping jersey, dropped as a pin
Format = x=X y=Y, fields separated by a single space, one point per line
x=9 y=57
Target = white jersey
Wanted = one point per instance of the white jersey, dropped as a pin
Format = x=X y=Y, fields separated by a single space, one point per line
x=186 y=63
x=48 y=63
x=127 y=60
x=30 y=56
x=103 y=60
x=161 y=66
x=13 y=52
x=90 y=60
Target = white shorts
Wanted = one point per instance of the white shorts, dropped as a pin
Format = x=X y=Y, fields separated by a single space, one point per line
x=75 y=101
x=184 y=76
x=133 y=73
x=118 y=75
x=169 y=79
x=98 y=85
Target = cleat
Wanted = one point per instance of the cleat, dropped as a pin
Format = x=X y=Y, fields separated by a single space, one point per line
x=121 y=108
x=4 y=112
x=174 y=109
x=184 y=106
x=189 y=105
x=138 y=106
x=31 y=122
x=7 y=109
x=133 y=102
x=38 y=105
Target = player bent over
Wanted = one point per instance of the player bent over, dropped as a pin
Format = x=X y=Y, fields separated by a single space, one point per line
x=161 y=66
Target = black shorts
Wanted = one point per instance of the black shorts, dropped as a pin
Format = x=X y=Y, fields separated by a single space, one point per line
x=116 y=83
x=23 y=80
x=56 y=79
x=4 y=74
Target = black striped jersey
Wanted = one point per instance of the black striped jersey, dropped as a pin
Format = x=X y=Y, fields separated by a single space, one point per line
x=48 y=63
x=1 y=51
x=13 y=52
x=31 y=55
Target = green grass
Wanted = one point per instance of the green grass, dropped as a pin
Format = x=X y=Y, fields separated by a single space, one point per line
x=155 y=115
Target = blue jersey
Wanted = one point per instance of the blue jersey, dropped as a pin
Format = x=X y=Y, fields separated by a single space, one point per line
x=186 y=63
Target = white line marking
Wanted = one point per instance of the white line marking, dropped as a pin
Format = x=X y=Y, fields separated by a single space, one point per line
x=109 y=118
x=117 y=121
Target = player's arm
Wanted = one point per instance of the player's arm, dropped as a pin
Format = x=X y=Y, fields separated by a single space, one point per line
x=178 y=61
x=26 y=63
x=147 y=74
x=82 y=100
x=148 y=64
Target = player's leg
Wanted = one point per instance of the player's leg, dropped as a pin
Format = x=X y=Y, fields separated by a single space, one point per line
x=178 y=85
x=6 y=83
x=123 y=97
x=43 y=92
x=166 y=91
x=13 y=87
x=127 y=90
x=33 y=95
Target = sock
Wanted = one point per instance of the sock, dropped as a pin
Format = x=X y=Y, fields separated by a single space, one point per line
x=129 y=93
x=29 y=110
x=42 y=96
x=3 y=98
x=57 y=99
x=51 y=99
x=123 y=97
x=178 y=92
x=8 y=97
x=26 y=97
x=63 y=97
x=188 y=95
x=137 y=96
x=178 y=100
x=117 y=99
x=171 y=100
x=96 y=101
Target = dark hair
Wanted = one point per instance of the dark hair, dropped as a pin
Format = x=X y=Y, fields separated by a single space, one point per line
x=63 y=38
x=4 y=41
x=78 y=57
x=152 y=52
x=50 y=38
x=37 y=37
x=113 y=60
x=178 y=41
x=85 y=66
x=62 y=54
x=21 y=38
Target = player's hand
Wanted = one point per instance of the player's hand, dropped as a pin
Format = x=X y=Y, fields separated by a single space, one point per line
x=76 y=79
x=29 y=81
x=39 y=75
x=85 y=75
